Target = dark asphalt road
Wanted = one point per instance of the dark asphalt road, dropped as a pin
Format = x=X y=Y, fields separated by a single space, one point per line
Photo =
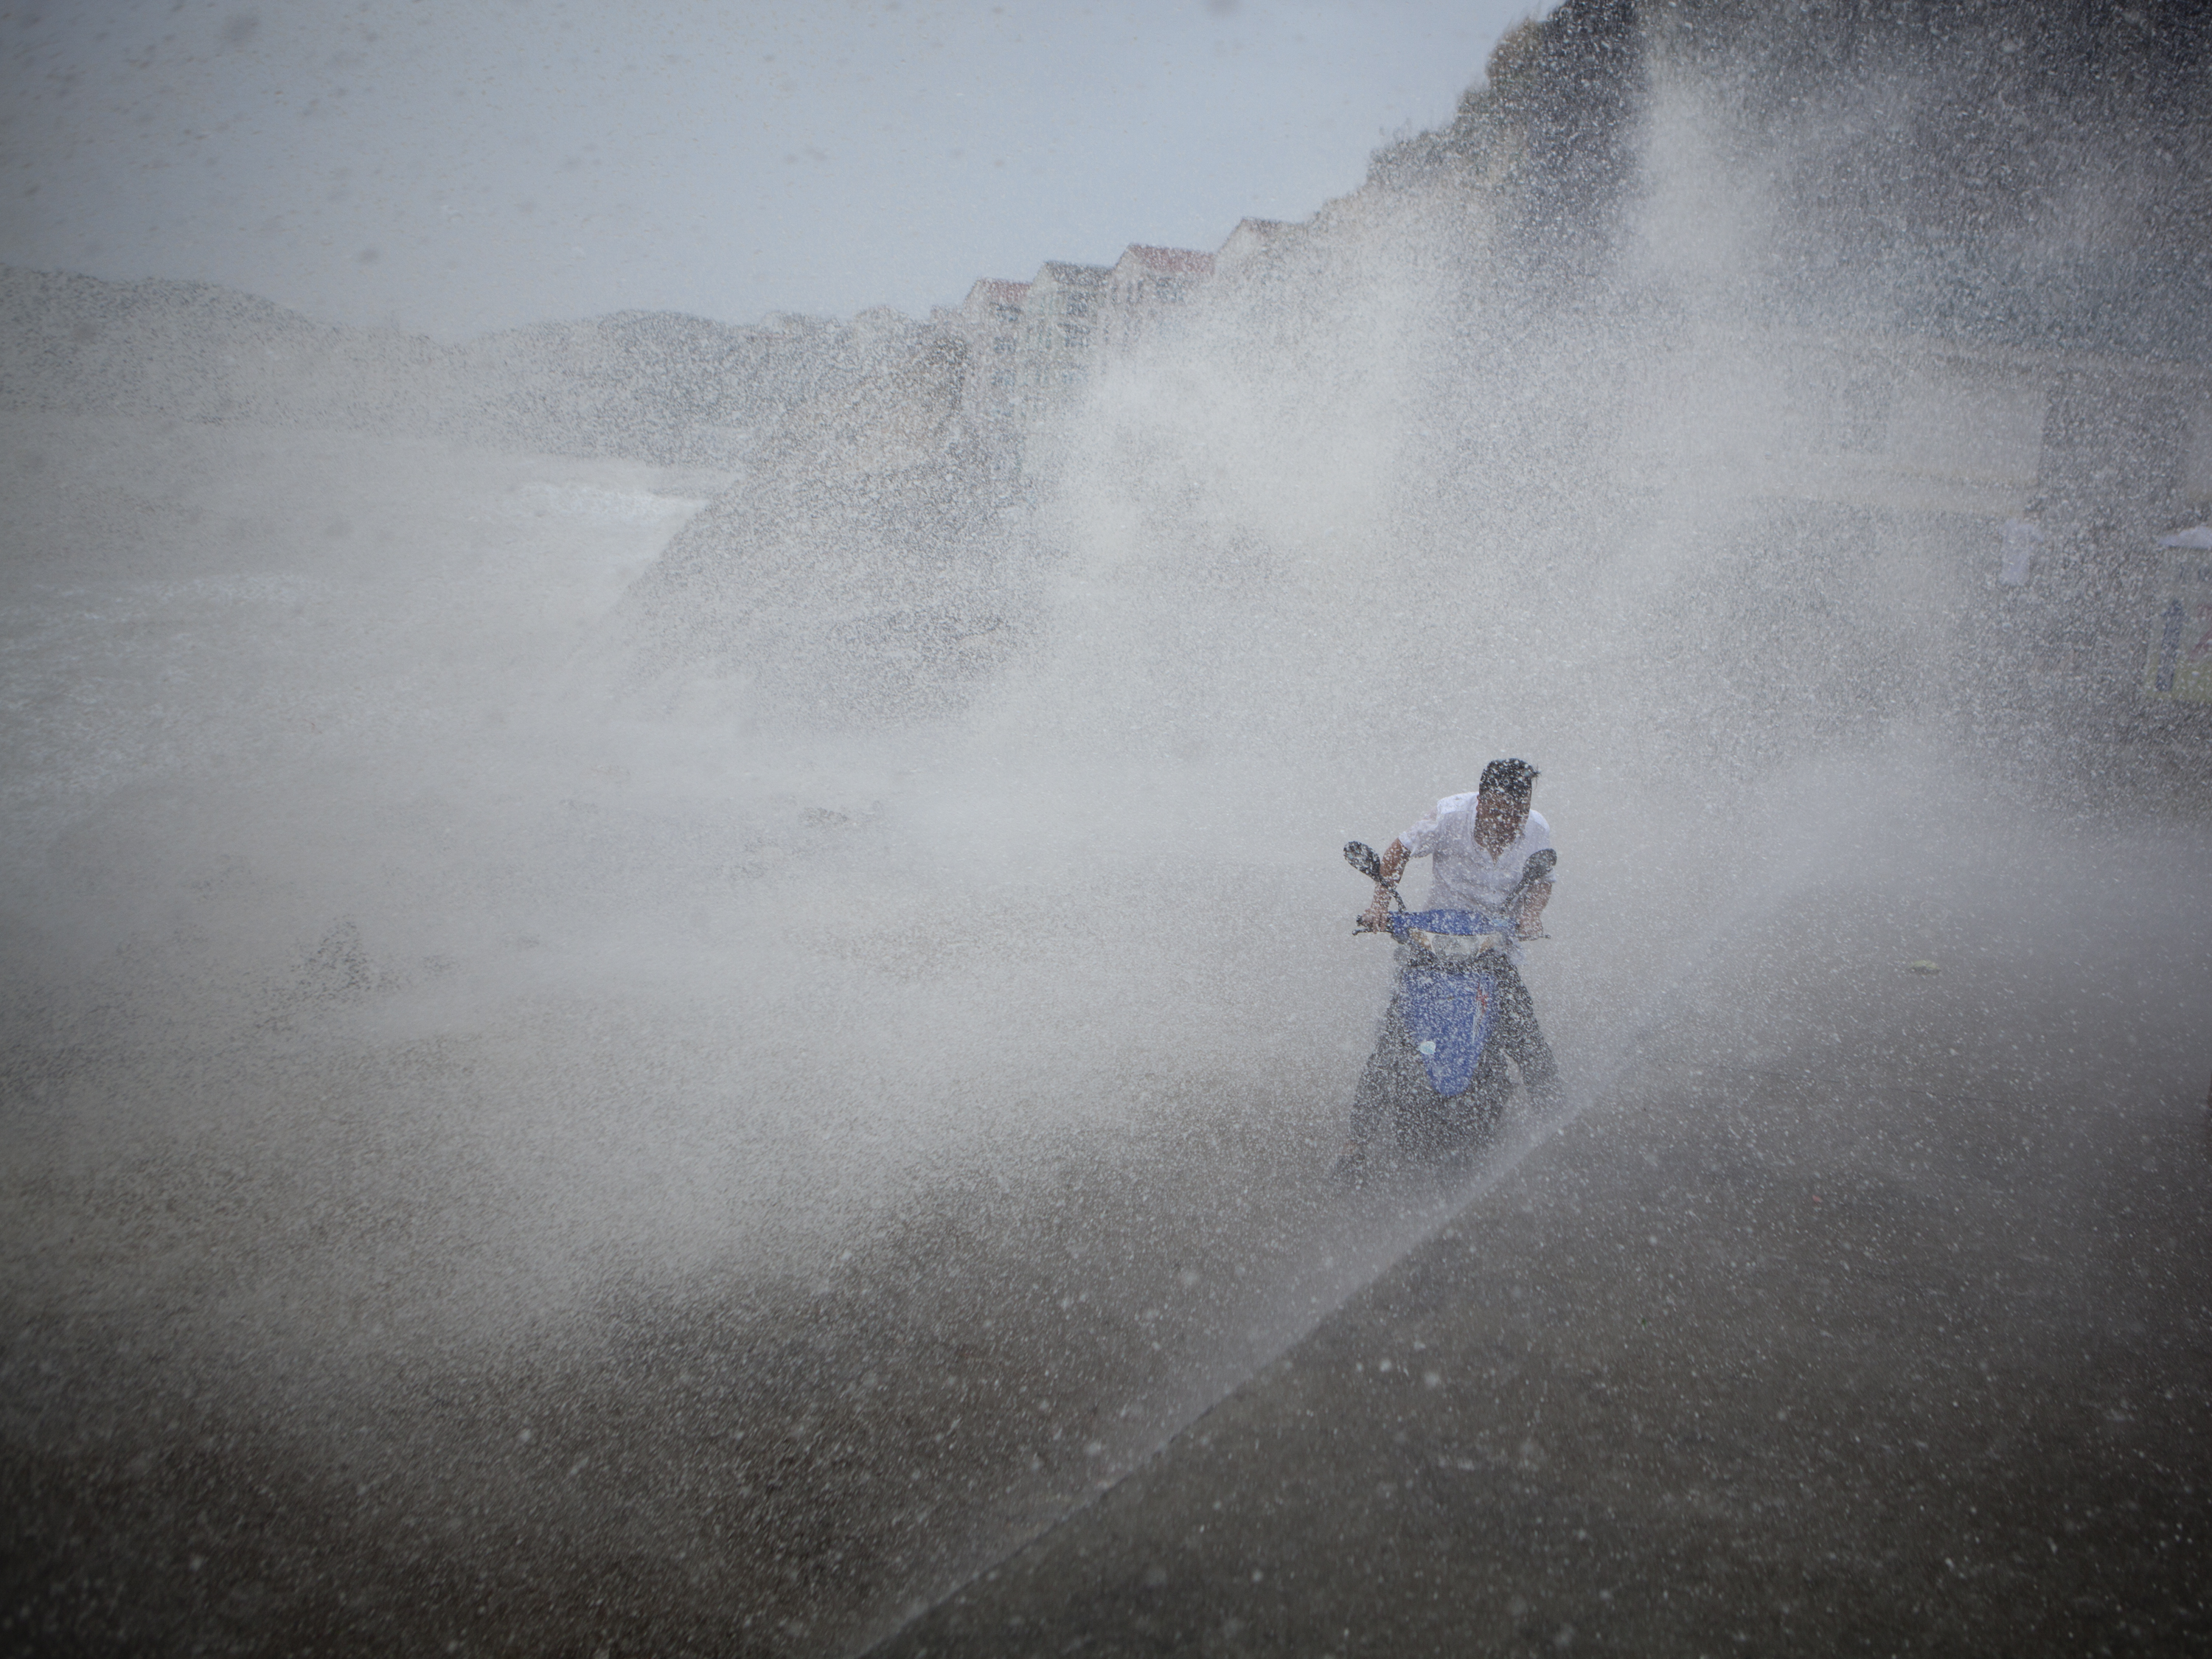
x=1912 y=1354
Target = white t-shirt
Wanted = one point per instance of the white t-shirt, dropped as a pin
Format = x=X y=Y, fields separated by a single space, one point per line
x=1463 y=875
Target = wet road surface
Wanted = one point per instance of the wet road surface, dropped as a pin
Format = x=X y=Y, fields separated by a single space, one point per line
x=1911 y=1352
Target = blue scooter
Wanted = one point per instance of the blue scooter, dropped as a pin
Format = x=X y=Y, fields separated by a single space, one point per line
x=1447 y=987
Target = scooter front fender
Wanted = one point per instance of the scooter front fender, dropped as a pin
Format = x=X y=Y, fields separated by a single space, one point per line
x=1448 y=1016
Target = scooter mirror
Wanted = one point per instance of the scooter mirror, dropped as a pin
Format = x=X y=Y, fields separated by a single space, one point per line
x=1539 y=867
x=1361 y=857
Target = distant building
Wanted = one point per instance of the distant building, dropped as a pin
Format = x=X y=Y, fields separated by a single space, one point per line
x=993 y=307
x=1252 y=243
x=1148 y=285
x=990 y=319
x=1058 y=333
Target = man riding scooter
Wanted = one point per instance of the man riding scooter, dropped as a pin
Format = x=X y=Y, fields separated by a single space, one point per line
x=1482 y=845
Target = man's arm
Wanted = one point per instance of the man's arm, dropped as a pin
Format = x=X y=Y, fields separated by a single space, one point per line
x=1376 y=916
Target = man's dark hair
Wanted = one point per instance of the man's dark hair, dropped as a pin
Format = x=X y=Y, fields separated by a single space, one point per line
x=1514 y=779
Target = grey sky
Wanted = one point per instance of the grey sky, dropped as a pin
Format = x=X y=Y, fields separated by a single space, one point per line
x=458 y=167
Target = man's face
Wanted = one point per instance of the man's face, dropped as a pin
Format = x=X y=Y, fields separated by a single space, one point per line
x=1499 y=816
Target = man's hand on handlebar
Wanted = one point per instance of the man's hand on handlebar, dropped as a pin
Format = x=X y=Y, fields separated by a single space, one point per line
x=1531 y=919
x=1375 y=919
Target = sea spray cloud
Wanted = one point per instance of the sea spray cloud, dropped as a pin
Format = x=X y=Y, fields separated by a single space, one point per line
x=486 y=958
